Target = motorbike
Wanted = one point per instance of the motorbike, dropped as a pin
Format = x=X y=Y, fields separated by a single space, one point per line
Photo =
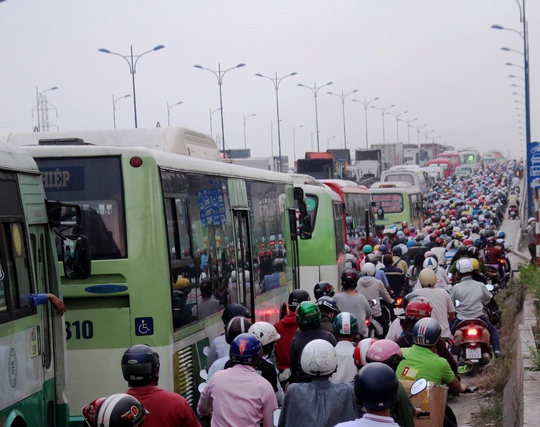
x=473 y=340
x=375 y=329
x=498 y=272
x=513 y=212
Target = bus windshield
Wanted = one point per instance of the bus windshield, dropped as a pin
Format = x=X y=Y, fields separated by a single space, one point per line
x=391 y=203
x=96 y=185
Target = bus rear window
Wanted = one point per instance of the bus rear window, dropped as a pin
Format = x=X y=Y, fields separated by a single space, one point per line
x=391 y=203
x=96 y=185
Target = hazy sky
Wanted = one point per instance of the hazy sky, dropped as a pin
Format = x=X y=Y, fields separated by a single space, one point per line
x=438 y=60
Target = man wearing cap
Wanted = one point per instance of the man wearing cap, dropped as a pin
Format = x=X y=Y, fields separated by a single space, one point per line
x=531 y=237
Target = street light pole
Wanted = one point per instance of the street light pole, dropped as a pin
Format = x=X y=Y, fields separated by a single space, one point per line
x=211 y=115
x=408 y=128
x=365 y=102
x=169 y=112
x=272 y=123
x=245 y=119
x=276 y=81
x=219 y=76
x=342 y=97
x=294 y=141
x=315 y=91
x=383 y=110
x=426 y=133
x=328 y=141
x=525 y=37
x=132 y=62
x=397 y=115
x=418 y=133
x=114 y=101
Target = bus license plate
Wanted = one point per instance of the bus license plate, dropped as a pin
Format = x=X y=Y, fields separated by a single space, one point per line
x=473 y=353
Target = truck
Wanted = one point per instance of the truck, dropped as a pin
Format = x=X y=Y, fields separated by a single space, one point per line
x=266 y=163
x=392 y=154
x=318 y=165
x=433 y=150
x=367 y=165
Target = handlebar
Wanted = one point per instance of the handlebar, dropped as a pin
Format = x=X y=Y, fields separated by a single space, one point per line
x=470 y=389
x=423 y=414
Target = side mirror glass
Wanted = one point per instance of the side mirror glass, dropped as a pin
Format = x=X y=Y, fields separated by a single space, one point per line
x=275 y=416
x=418 y=386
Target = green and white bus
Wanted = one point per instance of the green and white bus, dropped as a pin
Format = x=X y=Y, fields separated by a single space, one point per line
x=395 y=202
x=158 y=222
x=32 y=345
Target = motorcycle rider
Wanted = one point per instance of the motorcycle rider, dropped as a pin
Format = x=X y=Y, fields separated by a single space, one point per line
x=117 y=410
x=319 y=402
x=513 y=201
x=308 y=316
x=346 y=331
x=472 y=296
x=350 y=259
x=372 y=289
x=352 y=302
x=531 y=239
x=322 y=289
x=329 y=310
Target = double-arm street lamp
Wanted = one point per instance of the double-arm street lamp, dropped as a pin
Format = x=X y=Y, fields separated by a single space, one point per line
x=169 y=111
x=524 y=36
x=294 y=140
x=328 y=141
x=383 y=109
x=343 y=96
x=245 y=120
x=276 y=81
x=365 y=103
x=211 y=115
x=315 y=91
x=397 y=115
x=132 y=62
x=408 y=121
x=418 y=133
x=114 y=101
x=426 y=133
x=219 y=76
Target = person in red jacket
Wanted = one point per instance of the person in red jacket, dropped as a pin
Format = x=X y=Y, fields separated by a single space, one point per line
x=286 y=327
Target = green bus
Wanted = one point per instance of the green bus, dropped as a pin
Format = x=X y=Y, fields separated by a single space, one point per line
x=32 y=345
x=395 y=202
x=157 y=223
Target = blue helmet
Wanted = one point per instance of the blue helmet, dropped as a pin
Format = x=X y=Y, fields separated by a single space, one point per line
x=140 y=363
x=245 y=349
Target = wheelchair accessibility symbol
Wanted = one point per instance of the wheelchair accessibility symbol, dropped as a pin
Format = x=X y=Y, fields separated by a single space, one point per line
x=144 y=326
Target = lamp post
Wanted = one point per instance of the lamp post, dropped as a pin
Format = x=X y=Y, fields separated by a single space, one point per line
x=418 y=133
x=524 y=35
x=426 y=133
x=40 y=99
x=328 y=141
x=245 y=120
x=211 y=115
x=294 y=140
x=114 y=101
x=408 y=128
x=315 y=91
x=219 y=76
x=272 y=123
x=276 y=81
x=343 y=96
x=397 y=115
x=365 y=103
x=132 y=62
x=383 y=109
x=169 y=112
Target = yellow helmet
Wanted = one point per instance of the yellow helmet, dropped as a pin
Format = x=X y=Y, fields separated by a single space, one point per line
x=475 y=264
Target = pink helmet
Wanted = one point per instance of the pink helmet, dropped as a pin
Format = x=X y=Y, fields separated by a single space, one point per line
x=360 y=351
x=385 y=351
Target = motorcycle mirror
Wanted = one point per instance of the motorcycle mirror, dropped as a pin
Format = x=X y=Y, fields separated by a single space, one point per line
x=373 y=301
x=206 y=351
x=418 y=386
x=203 y=374
x=202 y=386
x=275 y=416
x=490 y=287
x=457 y=303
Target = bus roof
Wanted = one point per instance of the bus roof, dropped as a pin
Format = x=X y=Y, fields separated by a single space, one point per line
x=170 y=139
x=16 y=159
x=345 y=186
x=163 y=159
x=393 y=185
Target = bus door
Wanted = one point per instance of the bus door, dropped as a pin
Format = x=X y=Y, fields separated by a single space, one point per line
x=244 y=260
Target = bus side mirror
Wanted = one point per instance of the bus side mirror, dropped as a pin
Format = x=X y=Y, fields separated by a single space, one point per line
x=380 y=213
x=305 y=221
x=76 y=257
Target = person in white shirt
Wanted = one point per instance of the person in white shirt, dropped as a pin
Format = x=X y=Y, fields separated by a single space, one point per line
x=346 y=331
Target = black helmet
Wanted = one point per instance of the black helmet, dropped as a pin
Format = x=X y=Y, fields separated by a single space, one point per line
x=140 y=363
x=349 y=278
x=206 y=287
x=376 y=386
x=245 y=349
x=396 y=250
x=323 y=289
x=233 y=310
x=327 y=302
x=120 y=410
x=237 y=325
x=426 y=332
x=298 y=296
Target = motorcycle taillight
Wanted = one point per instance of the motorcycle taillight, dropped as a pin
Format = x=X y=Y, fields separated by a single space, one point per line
x=501 y=261
x=472 y=332
x=368 y=322
x=399 y=302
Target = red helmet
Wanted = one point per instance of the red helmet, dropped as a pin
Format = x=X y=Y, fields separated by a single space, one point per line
x=417 y=310
x=360 y=351
x=432 y=237
x=89 y=411
x=467 y=242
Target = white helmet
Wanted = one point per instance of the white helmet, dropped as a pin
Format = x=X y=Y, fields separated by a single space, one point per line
x=430 y=263
x=265 y=332
x=464 y=265
x=368 y=269
x=319 y=358
x=427 y=277
x=347 y=249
